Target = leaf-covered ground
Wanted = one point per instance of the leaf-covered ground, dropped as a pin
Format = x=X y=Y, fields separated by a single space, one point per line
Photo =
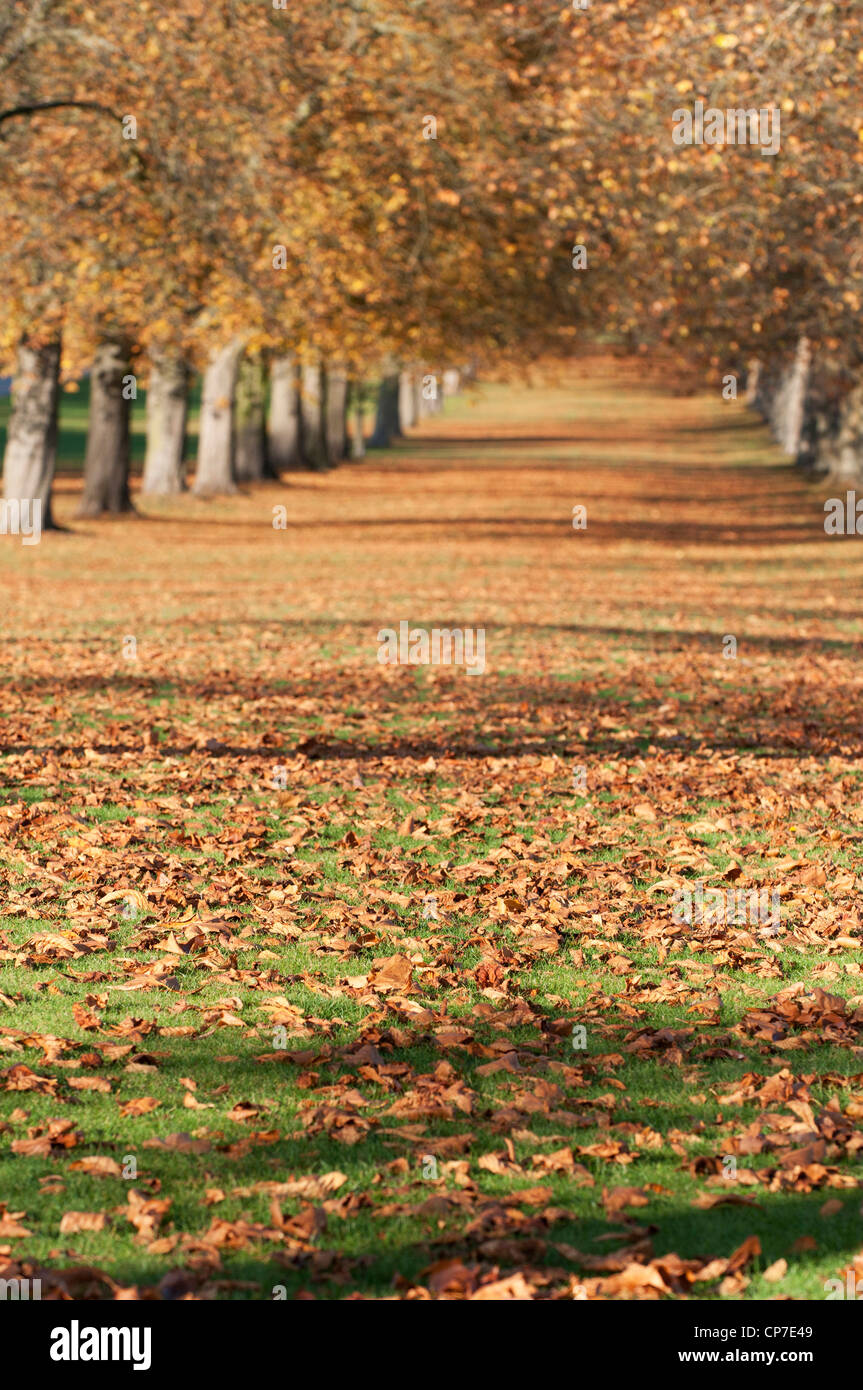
x=330 y=979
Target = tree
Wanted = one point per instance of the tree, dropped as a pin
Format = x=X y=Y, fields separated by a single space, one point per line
x=106 y=466
x=31 y=445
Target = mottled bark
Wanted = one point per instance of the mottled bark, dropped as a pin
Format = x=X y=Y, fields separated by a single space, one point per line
x=791 y=423
x=167 y=415
x=765 y=389
x=31 y=439
x=429 y=395
x=356 y=409
x=283 y=441
x=250 y=431
x=106 y=465
x=753 y=375
x=407 y=401
x=215 y=472
x=336 y=414
x=780 y=393
x=312 y=416
x=387 y=416
x=832 y=436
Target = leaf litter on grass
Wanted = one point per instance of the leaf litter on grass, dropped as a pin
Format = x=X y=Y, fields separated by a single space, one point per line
x=324 y=978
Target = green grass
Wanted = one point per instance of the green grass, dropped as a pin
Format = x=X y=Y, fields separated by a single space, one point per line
x=72 y=431
x=257 y=649
x=225 y=1069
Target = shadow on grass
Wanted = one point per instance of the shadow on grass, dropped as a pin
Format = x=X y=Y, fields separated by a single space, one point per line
x=489 y=1227
x=744 y=706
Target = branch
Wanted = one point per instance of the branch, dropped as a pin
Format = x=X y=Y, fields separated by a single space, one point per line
x=30 y=110
x=33 y=108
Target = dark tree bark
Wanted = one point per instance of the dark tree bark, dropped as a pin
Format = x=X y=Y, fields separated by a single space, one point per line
x=765 y=390
x=216 y=430
x=31 y=441
x=753 y=376
x=313 y=416
x=250 y=431
x=283 y=442
x=387 y=418
x=356 y=411
x=832 y=436
x=167 y=415
x=106 y=465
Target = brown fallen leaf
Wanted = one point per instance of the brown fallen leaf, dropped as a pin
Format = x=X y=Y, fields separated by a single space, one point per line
x=99 y=1165
x=10 y=1228
x=75 y=1221
x=744 y=1254
x=141 y=1105
x=804 y=1245
x=392 y=972
x=515 y=1287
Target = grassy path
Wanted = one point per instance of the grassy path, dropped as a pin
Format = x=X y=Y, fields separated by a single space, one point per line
x=323 y=976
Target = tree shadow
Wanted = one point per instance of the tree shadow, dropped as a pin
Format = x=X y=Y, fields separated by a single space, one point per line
x=548 y=1097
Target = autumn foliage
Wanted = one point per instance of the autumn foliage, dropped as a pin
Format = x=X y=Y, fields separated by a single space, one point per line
x=328 y=978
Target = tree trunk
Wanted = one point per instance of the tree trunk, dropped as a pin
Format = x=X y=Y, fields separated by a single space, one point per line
x=387 y=418
x=336 y=411
x=771 y=391
x=417 y=383
x=31 y=442
x=429 y=395
x=849 y=437
x=250 y=420
x=407 y=401
x=357 y=399
x=312 y=416
x=753 y=375
x=284 y=425
x=106 y=465
x=791 y=424
x=779 y=393
x=167 y=414
x=780 y=402
x=832 y=435
x=216 y=429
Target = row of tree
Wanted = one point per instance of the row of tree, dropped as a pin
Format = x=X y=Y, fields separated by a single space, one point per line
x=358 y=192
x=258 y=418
